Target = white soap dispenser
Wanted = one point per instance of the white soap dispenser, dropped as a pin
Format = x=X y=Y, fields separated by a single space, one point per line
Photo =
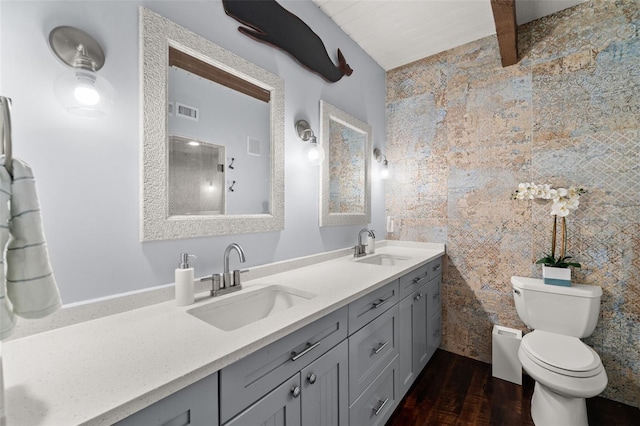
x=371 y=243
x=184 y=281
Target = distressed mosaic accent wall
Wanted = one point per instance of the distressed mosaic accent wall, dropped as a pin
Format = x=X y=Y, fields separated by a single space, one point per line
x=462 y=132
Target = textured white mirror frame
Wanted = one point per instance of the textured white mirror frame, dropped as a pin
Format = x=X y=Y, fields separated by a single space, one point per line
x=329 y=112
x=156 y=34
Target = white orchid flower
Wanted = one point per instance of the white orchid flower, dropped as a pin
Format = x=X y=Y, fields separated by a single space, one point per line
x=572 y=203
x=559 y=208
x=546 y=191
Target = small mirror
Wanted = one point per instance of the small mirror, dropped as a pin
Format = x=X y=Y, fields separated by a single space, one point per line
x=345 y=182
x=213 y=138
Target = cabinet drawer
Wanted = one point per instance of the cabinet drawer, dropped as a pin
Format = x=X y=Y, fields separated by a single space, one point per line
x=370 y=350
x=368 y=307
x=435 y=333
x=376 y=404
x=250 y=378
x=195 y=405
x=419 y=277
x=433 y=295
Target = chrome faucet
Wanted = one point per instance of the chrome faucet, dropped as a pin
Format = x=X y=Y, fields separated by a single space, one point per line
x=361 y=249
x=228 y=281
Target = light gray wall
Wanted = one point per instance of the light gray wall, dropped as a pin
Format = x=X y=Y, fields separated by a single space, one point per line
x=87 y=170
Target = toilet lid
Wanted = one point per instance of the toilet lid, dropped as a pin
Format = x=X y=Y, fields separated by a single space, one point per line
x=563 y=354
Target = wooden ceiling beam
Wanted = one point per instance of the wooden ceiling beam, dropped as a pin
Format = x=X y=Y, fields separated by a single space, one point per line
x=504 y=16
x=203 y=69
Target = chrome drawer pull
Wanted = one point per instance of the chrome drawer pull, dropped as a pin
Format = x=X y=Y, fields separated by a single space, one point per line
x=381 y=347
x=380 y=302
x=417 y=279
x=435 y=268
x=295 y=391
x=310 y=347
x=379 y=409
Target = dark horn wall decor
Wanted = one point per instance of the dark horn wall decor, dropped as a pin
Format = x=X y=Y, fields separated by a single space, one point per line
x=271 y=23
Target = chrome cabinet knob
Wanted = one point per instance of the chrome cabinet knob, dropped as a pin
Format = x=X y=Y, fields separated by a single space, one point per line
x=311 y=378
x=295 y=391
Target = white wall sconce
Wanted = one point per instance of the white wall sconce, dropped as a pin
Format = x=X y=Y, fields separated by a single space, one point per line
x=80 y=90
x=385 y=171
x=312 y=151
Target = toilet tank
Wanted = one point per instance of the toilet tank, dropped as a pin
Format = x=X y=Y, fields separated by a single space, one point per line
x=571 y=311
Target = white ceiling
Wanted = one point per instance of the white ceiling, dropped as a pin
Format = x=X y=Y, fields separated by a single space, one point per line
x=397 y=32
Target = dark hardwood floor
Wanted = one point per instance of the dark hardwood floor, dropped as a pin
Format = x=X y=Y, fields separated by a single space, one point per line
x=454 y=390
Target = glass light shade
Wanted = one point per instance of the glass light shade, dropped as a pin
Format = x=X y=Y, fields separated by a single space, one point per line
x=84 y=93
x=385 y=171
x=313 y=153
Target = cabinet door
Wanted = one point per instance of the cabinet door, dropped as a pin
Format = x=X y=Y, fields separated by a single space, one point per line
x=325 y=399
x=280 y=407
x=412 y=337
x=195 y=405
x=434 y=312
x=435 y=334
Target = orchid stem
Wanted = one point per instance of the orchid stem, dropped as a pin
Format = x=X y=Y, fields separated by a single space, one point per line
x=553 y=237
x=564 y=238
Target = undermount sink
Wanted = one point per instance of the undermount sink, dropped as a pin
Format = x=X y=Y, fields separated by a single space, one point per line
x=247 y=307
x=382 y=259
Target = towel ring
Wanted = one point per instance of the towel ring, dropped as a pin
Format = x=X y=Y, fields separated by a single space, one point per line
x=5 y=105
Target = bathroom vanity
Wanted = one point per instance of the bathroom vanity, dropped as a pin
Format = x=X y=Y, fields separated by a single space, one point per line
x=344 y=340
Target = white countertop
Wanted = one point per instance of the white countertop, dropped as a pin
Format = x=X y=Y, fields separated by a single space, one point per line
x=101 y=371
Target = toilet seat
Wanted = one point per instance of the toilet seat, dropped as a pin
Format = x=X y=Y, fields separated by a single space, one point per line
x=566 y=355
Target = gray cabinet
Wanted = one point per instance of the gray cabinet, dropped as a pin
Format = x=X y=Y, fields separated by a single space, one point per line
x=434 y=312
x=195 y=405
x=325 y=387
x=280 y=407
x=370 y=351
x=370 y=306
x=413 y=337
x=377 y=402
x=420 y=321
x=315 y=396
x=249 y=379
x=415 y=279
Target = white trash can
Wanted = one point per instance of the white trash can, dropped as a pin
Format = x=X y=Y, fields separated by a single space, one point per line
x=505 y=362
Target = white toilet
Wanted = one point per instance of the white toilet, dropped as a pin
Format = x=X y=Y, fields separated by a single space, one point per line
x=566 y=370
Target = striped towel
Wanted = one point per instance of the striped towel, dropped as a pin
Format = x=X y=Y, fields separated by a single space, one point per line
x=31 y=290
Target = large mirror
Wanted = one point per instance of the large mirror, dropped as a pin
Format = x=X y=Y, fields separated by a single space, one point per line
x=213 y=138
x=345 y=183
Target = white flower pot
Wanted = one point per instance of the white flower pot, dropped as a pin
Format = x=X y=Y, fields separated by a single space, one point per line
x=556 y=276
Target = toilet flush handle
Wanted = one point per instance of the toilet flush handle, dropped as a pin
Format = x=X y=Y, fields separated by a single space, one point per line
x=516 y=291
